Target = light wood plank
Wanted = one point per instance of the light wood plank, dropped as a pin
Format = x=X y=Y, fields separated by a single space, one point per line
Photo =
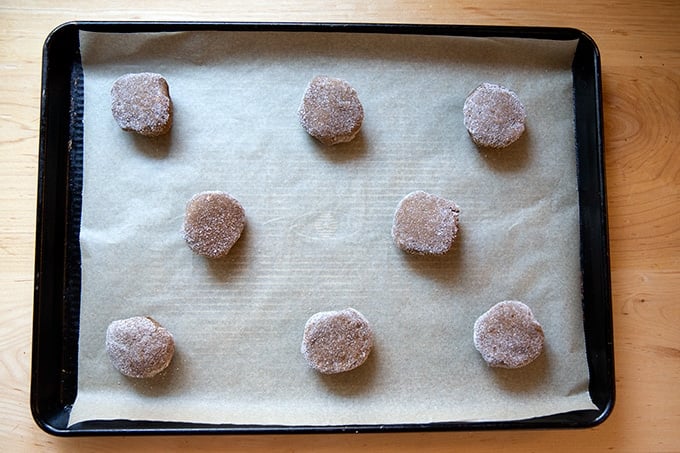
x=641 y=85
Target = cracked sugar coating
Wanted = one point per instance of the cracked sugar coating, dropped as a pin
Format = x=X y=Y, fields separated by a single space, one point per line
x=141 y=103
x=139 y=347
x=494 y=116
x=508 y=335
x=330 y=110
x=213 y=223
x=425 y=224
x=337 y=341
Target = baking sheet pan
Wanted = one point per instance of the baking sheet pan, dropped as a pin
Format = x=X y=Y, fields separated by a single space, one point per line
x=61 y=164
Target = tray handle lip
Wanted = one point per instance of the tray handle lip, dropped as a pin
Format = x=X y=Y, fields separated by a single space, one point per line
x=544 y=32
x=46 y=416
x=113 y=427
x=588 y=55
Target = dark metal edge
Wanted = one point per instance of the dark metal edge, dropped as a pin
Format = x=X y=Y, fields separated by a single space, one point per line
x=595 y=261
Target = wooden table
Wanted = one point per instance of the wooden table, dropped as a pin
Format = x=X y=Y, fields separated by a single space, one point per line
x=640 y=46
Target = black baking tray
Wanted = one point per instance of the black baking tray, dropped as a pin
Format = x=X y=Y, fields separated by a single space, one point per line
x=57 y=256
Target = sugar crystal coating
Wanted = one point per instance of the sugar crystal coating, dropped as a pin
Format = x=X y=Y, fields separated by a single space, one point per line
x=330 y=110
x=139 y=347
x=337 y=341
x=508 y=335
x=141 y=103
x=494 y=116
x=425 y=224
x=213 y=223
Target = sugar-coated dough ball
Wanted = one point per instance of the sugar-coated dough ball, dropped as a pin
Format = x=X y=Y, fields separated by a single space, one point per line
x=139 y=347
x=508 y=335
x=494 y=116
x=213 y=223
x=141 y=103
x=425 y=224
x=331 y=111
x=337 y=341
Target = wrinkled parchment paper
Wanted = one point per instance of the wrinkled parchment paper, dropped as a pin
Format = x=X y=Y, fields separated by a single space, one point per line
x=318 y=231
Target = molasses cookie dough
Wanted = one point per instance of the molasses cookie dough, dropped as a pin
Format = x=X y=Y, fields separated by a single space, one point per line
x=337 y=341
x=494 y=116
x=139 y=347
x=425 y=224
x=141 y=103
x=331 y=111
x=508 y=335
x=213 y=223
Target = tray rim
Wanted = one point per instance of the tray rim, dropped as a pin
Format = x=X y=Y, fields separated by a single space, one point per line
x=47 y=381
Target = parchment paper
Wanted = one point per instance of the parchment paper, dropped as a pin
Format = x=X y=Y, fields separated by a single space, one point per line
x=318 y=232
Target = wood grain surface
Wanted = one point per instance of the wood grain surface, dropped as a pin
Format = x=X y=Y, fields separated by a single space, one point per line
x=640 y=46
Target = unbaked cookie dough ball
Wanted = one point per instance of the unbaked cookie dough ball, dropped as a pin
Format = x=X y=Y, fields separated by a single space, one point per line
x=337 y=341
x=425 y=224
x=508 y=335
x=331 y=111
x=139 y=347
x=141 y=103
x=213 y=223
x=494 y=116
